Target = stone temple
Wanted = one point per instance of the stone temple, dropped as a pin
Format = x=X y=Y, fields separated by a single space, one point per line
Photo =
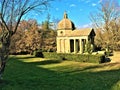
x=70 y=40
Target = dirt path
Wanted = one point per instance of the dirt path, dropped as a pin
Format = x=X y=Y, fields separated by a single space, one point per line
x=115 y=57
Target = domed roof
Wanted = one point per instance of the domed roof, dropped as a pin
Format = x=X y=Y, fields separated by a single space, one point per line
x=65 y=23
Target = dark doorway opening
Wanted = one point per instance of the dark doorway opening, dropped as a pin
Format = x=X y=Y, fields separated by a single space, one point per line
x=78 y=45
x=71 y=45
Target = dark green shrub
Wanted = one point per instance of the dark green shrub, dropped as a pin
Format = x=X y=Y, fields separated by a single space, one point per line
x=89 y=48
x=38 y=53
x=84 y=58
x=108 y=53
x=52 y=55
x=76 y=57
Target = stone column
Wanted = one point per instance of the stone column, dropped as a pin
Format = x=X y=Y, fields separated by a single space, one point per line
x=68 y=45
x=63 y=42
x=81 y=46
x=58 y=46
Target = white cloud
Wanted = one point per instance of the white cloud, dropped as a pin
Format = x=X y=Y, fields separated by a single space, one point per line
x=81 y=9
x=68 y=11
x=89 y=25
x=57 y=9
x=86 y=26
x=72 y=5
x=94 y=4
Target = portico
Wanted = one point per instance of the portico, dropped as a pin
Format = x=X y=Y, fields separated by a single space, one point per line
x=70 y=45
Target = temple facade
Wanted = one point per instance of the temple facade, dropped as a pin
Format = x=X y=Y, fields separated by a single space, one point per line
x=70 y=40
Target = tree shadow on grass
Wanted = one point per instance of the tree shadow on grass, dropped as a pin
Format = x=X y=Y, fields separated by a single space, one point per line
x=27 y=76
x=22 y=56
x=102 y=66
x=43 y=62
x=46 y=62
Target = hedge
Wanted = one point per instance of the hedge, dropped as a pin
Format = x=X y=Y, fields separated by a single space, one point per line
x=38 y=54
x=76 y=57
x=51 y=55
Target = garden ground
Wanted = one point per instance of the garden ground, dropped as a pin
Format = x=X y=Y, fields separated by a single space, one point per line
x=115 y=57
x=29 y=73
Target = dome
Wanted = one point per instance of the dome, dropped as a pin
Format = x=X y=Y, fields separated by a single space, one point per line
x=66 y=24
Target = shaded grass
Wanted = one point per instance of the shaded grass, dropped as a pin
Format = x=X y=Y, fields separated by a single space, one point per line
x=26 y=73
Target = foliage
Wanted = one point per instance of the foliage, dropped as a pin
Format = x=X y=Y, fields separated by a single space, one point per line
x=48 y=40
x=29 y=37
x=52 y=55
x=76 y=57
x=11 y=13
x=109 y=53
x=89 y=47
x=45 y=25
x=38 y=53
x=107 y=24
x=28 y=73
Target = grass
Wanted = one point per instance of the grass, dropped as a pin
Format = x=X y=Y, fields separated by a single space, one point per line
x=29 y=73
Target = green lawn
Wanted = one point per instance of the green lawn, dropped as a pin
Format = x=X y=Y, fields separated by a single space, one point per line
x=28 y=73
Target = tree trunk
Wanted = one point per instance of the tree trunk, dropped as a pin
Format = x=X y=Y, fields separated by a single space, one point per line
x=4 y=53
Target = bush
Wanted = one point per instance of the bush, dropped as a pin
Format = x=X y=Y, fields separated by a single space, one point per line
x=51 y=55
x=75 y=57
x=38 y=53
x=108 y=53
x=85 y=58
x=89 y=48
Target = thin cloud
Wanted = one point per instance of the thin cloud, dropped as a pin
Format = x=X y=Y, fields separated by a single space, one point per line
x=81 y=9
x=57 y=9
x=68 y=11
x=72 y=5
x=89 y=25
x=94 y=4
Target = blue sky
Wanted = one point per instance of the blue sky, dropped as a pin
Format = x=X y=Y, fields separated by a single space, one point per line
x=78 y=10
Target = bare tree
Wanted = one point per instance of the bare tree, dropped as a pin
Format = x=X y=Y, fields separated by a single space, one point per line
x=11 y=13
x=104 y=20
x=55 y=23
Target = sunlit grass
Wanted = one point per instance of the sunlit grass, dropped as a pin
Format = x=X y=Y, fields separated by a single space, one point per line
x=30 y=73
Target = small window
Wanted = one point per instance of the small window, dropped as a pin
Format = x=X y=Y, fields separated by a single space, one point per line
x=61 y=32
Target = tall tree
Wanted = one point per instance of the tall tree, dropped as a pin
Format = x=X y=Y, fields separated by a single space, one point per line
x=11 y=13
x=46 y=23
x=55 y=23
x=27 y=37
x=107 y=17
